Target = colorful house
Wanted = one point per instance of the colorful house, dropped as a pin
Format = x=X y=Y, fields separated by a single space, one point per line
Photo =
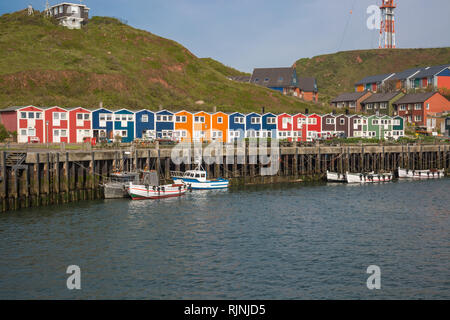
x=285 y=127
x=373 y=83
x=314 y=127
x=355 y=126
x=164 y=124
x=202 y=126
x=398 y=127
x=124 y=125
x=57 y=125
x=381 y=103
x=219 y=127
x=351 y=101
x=385 y=127
x=80 y=125
x=328 y=125
x=436 y=77
x=145 y=124
x=184 y=126
x=8 y=118
x=102 y=124
x=30 y=124
x=253 y=125
x=402 y=80
x=299 y=127
x=236 y=126
x=269 y=126
x=417 y=106
x=343 y=124
x=283 y=80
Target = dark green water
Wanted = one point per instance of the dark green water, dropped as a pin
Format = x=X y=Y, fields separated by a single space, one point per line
x=296 y=241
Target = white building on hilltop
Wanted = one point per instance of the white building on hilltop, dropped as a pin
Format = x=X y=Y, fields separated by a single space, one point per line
x=70 y=15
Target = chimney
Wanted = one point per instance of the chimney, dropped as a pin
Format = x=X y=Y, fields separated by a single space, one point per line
x=263 y=110
x=100 y=105
x=347 y=112
x=160 y=107
x=214 y=109
x=306 y=111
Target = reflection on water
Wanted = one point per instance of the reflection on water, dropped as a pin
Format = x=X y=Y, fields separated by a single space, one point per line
x=287 y=241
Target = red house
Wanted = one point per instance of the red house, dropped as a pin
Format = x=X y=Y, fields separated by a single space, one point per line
x=416 y=107
x=284 y=126
x=57 y=124
x=299 y=127
x=80 y=125
x=30 y=124
x=314 y=127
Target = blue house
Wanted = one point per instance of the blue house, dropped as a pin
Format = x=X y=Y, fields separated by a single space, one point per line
x=269 y=125
x=102 y=123
x=236 y=126
x=164 y=124
x=124 y=125
x=145 y=124
x=253 y=125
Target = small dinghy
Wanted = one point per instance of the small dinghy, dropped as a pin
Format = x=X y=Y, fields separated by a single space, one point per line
x=143 y=192
x=420 y=174
x=336 y=177
x=369 y=177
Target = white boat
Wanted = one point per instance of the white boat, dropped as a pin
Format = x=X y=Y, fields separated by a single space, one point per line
x=369 y=177
x=197 y=180
x=116 y=186
x=421 y=174
x=336 y=177
x=142 y=192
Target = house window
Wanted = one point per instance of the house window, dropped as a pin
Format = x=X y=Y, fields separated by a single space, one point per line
x=418 y=118
x=80 y=117
x=130 y=117
x=124 y=133
x=428 y=106
x=23 y=132
x=61 y=9
x=375 y=122
x=63 y=116
x=330 y=121
x=124 y=118
x=271 y=120
x=144 y=118
x=369 y=106
x=87 y=116
x=56 y=133
x=158 y=118
x=199 y=119
x=23 y=115
x=102 y=117
x=342 y=121
x=117 y=117
x=312 y=121
x=418 y=106
x=383 y=105
x=63 y=133
x=109 y=117
x=32 y=132
x=266 y=80
x=402 y=107
x=219 y=120
x=30 y=115
x=256 y=120
x=239 y=120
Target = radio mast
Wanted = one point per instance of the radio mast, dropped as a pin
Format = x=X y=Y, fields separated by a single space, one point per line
x=387 y=29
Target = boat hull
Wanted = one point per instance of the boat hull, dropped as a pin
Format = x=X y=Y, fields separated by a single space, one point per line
x=114 y=191
x=203 y=185
x=420 y=174
x=336 y=177
x=369 y=178
x=149 y=193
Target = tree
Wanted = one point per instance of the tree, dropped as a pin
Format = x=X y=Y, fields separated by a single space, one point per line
x=4 y=134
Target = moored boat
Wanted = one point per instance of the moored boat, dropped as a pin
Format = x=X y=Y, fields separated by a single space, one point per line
x=336 y=177
x=116 y=186
x=369 y=177
x=197 y=180
x=420 y=174
x=143 y=192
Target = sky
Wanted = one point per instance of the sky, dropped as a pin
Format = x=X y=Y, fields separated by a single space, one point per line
x=247 y=34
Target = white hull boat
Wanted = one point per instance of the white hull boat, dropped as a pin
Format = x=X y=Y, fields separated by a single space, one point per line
x=369 y=177
x=141 y=192
x=336 y=177
x=420 y=174
x=196 y=180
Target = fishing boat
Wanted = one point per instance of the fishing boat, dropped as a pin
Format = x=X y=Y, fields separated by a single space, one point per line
x=336 y=177
x=369 y=177
x=197 y=180
x=116 y=186
x=143 y=192
x=420 y=174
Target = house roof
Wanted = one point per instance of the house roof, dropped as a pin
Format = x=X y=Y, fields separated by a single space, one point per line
x=352 y=96
x=415 y=98
x=241 y=78
x=13 y=108
x=381 y=97
x=273 y=77
x=375 y=79
x=431 y=71
x=405 y=74
x=307 y=84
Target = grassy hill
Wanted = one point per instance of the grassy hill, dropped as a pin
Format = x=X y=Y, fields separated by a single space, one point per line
x=337 y=73
x=223 y=69
x=44 y=64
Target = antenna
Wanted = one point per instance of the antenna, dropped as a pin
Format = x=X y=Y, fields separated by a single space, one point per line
x=387 y=29
x=47 y=10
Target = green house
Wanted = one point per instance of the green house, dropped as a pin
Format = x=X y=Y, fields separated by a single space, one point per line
x=381 y=103
x=398 y=127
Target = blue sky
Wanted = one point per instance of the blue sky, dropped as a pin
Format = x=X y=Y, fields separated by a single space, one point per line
x=258 y=33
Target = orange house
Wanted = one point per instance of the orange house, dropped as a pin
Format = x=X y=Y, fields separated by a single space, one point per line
x=202 y=126
x=184 y=126
x=219 y=127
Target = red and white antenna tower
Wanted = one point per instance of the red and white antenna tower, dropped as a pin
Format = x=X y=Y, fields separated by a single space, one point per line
x=387 y=30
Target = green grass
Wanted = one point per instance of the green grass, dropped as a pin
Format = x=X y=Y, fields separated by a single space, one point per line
x=44 y=64
x=337 y=73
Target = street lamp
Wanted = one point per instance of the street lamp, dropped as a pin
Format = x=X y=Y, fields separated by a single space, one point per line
x=46 y=133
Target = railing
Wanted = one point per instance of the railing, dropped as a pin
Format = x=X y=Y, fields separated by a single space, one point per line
x=176 y=174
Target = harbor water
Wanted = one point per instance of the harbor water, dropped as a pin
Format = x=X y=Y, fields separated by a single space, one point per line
x=287 y=241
